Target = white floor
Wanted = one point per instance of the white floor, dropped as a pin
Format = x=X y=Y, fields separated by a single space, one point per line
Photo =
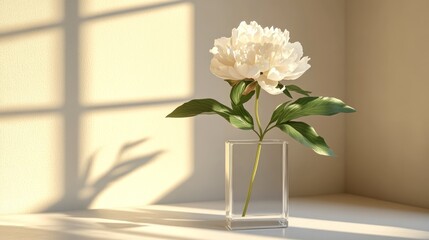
x=323 y=217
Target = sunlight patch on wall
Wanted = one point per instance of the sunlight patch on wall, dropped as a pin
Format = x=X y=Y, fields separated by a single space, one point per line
x=31 y=70
x=140 y=62
x=130 y=73
x=18 y=14
x=91 y=7
x=30 y=162
x=138 y=56
x=155 y=155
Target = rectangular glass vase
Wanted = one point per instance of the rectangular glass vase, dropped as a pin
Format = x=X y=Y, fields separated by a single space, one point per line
x=268 y=199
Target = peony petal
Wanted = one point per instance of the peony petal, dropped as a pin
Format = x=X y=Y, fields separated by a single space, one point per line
x=275 y=75
x=234 y=74
x=248 y=71
x=242 y=25
x=222 y=71
x=269 y=86
x=302 y=67
x=214 y=50
x=303 y=64
x=222 y=51
x=297 y=49
x=286 y=35
x=222 y=42
x=215 y=69
x=220 y=45
x=252 y=49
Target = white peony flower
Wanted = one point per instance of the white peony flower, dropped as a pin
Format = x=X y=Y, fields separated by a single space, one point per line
x=262 y=54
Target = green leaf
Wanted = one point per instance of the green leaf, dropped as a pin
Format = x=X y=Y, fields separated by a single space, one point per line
x=293 y=88
x=237 y=96
x=285 y=91
x=246 y=97
x=250 y=88
x=236 y=92
x=241 y=111
x=240 y=122
x=306 y=135
x=210 y=106
x=307 y=106
x=200 y=106
x=232 y=82
x=297 y=89
x=278 y=112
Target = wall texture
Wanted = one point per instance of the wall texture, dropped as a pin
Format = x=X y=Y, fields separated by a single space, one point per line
x=387 y=71
x=85 y=86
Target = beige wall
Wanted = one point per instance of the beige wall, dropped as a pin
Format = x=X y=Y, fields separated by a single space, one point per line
x=85 y=86
x=387 y=82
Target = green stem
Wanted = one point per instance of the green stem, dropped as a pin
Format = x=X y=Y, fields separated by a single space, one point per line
x=252 y=179
x=258 y=152
x=258 y=121
x=256 y=133
x=268 y=129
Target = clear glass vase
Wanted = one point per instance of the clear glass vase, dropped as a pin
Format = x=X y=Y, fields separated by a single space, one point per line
x=264 y=162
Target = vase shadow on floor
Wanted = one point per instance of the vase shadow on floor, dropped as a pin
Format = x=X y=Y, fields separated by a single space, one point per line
x=141 y=217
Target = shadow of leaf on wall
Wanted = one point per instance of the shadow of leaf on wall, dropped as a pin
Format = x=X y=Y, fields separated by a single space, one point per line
x=88 y=190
